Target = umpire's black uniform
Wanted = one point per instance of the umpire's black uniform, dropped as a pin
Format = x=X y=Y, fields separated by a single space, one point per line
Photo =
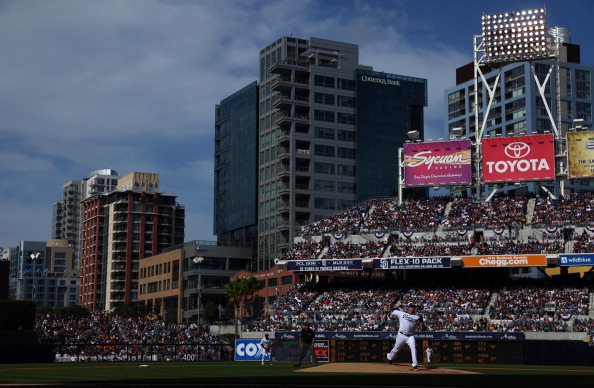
x=307 y=338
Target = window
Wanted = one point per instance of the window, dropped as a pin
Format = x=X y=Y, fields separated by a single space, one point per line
x=324 y=150
x=324 y=185
x=543 y=125
x=346 y=135
x=272 y=282
x=324 y=133
x=583 y=110
x=456 y=104
x=540 y=106
x=494 y=117
x=324 y=98
x=346 y=101
x=324 y=203
x=516 y=128
x=324 y=115
x=514 y=82
x=494 y=132
x=515 y=109
x=60 y=255
x=346 y=84
x=346 y=153
x=320 y=80
x=345 y=118
x=285 y=280
x=324 y=168
x=582 y=84
x=344 y=204
x=346 y=170
x=346 y=187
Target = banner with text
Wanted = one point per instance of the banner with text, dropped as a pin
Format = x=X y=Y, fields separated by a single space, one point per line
x=325 y=265
x=576 y=259
x=388 y=335
x=412 y=262
x=505 y=261
x=519 y=158
x=439 y=163
x=580 y=154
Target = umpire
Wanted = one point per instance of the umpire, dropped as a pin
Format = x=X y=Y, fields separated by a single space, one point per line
x=307 y=338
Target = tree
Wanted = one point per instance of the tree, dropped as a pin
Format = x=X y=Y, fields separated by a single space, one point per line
x=211 y=312
x=251 y=285
x=235 y=292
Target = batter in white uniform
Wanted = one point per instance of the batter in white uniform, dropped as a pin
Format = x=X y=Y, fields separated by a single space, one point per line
x=406 y=333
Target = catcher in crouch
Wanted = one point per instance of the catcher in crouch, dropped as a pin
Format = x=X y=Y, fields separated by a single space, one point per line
x=266 y=345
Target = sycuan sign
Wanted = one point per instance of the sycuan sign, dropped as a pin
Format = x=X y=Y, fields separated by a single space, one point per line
x=439 y=163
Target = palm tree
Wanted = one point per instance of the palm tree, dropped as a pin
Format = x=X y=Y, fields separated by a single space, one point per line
x=235 y=292
x=251 y=285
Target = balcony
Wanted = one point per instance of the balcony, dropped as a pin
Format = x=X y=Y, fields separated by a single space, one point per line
x=284 y=101
x=285 y=84
x=287 y=66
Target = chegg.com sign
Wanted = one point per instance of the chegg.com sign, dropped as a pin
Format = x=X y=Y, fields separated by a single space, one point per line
x=505 y=261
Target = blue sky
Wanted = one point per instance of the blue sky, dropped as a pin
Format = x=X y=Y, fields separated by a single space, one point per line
x=132 y=84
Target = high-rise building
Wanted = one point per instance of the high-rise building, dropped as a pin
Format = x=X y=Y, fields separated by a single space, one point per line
x=512 y=100
x=42 y=271
x=120 y=228
x=66 y=212
x=236 y=163
x=328 y=130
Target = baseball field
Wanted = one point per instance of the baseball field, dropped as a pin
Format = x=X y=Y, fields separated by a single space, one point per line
x=252 y=374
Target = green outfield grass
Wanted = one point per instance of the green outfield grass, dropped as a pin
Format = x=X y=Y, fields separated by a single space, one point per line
x=230 y=374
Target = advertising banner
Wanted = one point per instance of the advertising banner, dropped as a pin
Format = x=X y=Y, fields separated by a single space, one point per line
x=389 y=335
x=580 y=154
x=505 y=261
x=412 y=262
x=324 y=265
x=439 y=163
x=576 y=259
x=248 y=350
x=519 y=158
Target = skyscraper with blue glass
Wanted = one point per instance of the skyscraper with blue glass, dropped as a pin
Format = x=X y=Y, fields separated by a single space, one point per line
x=325 y=137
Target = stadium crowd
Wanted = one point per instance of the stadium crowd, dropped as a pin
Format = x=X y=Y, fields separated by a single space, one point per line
x=499 y=212
x=576 y=210
x=524 y=306
x=105 y=337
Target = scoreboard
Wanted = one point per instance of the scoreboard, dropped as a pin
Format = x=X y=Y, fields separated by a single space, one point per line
x=471 y=352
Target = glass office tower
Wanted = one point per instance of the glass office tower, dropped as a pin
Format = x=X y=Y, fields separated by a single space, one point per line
x=328 y=132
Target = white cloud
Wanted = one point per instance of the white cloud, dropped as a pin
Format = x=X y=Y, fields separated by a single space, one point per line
x=131 y=85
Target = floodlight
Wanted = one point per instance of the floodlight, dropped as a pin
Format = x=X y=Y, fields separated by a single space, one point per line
x=413 y=135
x=458 y=131
x=578 y=123
x=515 y=36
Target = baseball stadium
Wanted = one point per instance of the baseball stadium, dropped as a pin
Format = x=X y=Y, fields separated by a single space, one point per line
x=497 y=280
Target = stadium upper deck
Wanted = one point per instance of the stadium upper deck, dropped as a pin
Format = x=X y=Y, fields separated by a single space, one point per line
x=442 y=226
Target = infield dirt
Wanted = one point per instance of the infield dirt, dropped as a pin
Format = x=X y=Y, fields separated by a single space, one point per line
x=360 y=367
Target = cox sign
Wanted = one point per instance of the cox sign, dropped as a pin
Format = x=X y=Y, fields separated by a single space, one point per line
x=519 y=158
x=248 y=350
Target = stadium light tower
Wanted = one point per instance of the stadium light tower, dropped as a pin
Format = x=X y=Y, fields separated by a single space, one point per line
x=521 y=36
x=198 y=261
x=515 y=36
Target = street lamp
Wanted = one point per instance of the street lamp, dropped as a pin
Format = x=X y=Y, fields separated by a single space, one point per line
x=34 y=257
x=198 y=260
